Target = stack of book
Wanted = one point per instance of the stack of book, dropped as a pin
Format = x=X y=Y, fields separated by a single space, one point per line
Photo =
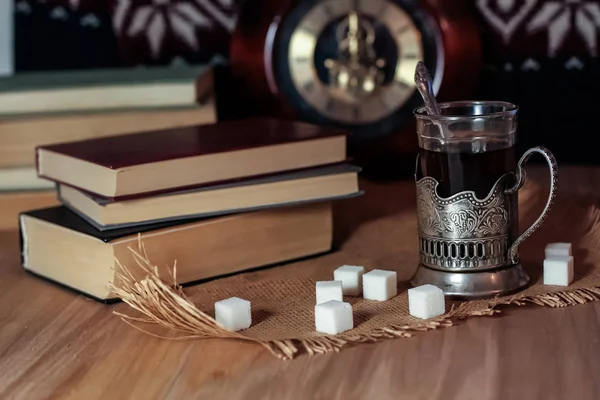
x=218 y=198
x=38 y=108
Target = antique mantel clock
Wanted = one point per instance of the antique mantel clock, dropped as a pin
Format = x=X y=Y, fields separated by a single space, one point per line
x=351 y=63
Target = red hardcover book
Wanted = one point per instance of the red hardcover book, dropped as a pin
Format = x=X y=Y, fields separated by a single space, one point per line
x=161 y=161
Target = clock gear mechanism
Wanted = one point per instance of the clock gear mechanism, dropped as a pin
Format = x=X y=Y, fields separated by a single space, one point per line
x=350 y=64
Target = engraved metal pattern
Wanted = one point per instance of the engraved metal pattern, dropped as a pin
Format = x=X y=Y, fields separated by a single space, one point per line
x=521 y=176
x=463 y=231
x=459 y=254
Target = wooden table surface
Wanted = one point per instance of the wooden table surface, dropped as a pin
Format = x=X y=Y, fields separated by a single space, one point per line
x=54 y=344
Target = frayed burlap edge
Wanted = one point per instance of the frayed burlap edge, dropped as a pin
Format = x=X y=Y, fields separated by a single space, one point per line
x=558 y=299
x=166 y=305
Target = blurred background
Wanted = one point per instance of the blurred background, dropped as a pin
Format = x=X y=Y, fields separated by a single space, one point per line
x=541 y=55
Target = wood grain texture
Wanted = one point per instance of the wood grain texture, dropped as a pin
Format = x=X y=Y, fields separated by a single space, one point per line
x=534 y=353
x=54 y=344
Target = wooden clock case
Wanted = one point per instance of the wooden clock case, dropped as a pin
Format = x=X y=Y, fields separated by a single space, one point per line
x=254 y=90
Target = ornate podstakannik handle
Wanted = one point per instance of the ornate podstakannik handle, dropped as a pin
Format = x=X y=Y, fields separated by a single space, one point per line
x=521 y=175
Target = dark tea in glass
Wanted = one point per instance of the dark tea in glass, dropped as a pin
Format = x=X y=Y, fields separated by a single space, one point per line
x=460 y=170
x=469 y=147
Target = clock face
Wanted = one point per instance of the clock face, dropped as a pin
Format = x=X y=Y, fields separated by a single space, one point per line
x=351 y=63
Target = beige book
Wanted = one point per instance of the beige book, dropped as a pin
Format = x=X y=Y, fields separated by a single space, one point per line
x=20 y=136
x=60 y=246
x=151 y=162
x=102 y=89
x=316 y=184
x=22 y=178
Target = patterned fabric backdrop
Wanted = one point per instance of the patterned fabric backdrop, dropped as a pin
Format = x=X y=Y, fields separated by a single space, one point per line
x=563 y=33
x=66 y=34
x=543 y=55
x=540 y=54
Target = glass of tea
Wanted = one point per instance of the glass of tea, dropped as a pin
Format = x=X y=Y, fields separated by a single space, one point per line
x=468 y=177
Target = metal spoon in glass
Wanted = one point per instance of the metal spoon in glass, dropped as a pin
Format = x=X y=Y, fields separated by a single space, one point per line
x=425 y=87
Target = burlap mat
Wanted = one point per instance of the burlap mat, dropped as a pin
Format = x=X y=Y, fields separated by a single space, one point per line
x=377 y=230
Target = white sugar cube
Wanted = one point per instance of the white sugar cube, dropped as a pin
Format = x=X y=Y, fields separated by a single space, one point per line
x=558 y=270
x=233 y=314
x=329 y=290
x=333 y=317
x=558 y=249
x=351 y=278
x=426 y=301
x=380 y=285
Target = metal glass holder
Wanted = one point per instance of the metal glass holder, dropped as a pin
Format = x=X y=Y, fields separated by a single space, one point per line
x=464 y=241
